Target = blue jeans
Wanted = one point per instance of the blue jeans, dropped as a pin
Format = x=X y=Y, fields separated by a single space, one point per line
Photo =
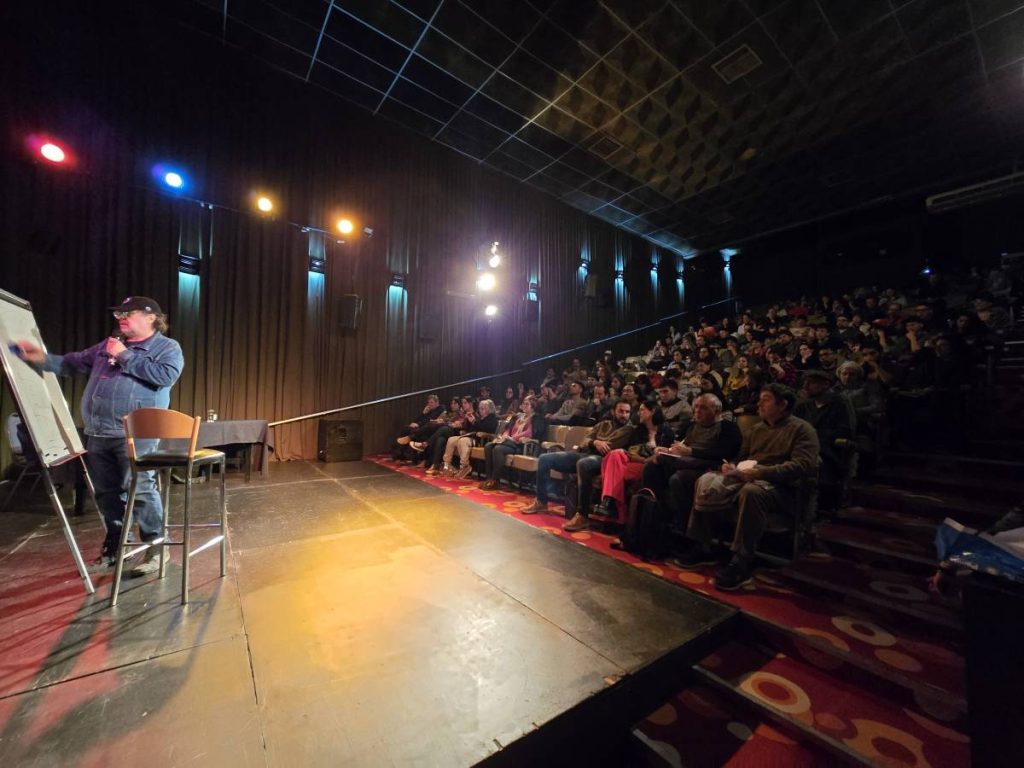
x=111 y=473
x=585 y=466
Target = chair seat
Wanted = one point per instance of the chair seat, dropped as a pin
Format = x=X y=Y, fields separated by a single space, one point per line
x=476 y=454
x=156 y=459
x=524 y=463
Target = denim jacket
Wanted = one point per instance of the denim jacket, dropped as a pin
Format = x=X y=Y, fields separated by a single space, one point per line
x=139 y=377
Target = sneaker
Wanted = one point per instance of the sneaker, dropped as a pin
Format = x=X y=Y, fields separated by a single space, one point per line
x=738 y=572
x=404 y=440
x=694 y=557
x=418 y=447
x=607 y=508
x=150 y=564
x=448 y=471
x=465 y=472
x=578 y=523
x=537 y=507
x=433 y=470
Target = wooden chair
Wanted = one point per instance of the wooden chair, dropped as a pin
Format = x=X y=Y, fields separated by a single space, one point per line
x=167 y=425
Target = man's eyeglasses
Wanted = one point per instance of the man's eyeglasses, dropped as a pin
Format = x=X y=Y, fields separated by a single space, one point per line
x=124 y=315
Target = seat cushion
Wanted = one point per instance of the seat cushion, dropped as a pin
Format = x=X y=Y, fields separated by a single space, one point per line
x=158 y=459
x=524 y=463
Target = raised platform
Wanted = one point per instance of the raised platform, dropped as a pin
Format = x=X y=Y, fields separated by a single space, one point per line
x=367 y=619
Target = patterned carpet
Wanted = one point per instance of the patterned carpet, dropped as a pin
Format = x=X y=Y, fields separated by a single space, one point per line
x=835 y=649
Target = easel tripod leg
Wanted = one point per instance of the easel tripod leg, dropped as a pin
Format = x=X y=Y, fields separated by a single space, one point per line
x=68 y=535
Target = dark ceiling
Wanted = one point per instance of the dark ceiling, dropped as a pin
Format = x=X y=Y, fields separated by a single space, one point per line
x=693 y=123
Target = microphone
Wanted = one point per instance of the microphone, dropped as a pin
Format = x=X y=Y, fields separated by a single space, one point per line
x=120 y=337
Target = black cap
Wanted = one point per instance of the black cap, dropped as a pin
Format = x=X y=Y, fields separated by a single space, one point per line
x=141 y=303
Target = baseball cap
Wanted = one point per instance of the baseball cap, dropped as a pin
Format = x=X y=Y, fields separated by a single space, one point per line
x=141 y=303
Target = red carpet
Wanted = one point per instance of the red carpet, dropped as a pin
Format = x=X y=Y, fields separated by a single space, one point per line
x=833 y=634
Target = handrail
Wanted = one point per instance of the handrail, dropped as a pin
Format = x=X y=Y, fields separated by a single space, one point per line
x=605 y=339
x=388 y=399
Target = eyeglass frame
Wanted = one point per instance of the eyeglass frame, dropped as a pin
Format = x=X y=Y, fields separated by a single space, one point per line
x=125 y=315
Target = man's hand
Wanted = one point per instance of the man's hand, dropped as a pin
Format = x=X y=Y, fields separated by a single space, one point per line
x=30 y=353
x=115 y=347
x=747 y=475
x=681 y=449
x=602 y=446
x=727 y=467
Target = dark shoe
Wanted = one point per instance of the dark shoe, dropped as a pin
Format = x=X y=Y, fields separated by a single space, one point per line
x=488 y=485
x=540 y=507
x=607 y=508
x=617 y=544
x=694 y=557
x=738 y=572
x=578 y=523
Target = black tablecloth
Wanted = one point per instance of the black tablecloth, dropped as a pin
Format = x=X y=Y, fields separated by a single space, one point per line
x=232 y=432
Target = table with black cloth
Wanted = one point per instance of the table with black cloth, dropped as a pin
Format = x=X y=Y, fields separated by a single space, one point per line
x=244 y=432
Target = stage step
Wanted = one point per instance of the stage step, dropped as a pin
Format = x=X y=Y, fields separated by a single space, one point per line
x=703 y=727
x=892 y=590
x=973 y=511
x=872 y=546
x=935 y=677
x=855 y=725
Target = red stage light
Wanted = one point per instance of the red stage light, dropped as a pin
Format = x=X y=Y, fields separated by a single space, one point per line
x=52 y=152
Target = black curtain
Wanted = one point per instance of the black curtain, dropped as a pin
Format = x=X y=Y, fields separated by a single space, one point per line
x=262 y=335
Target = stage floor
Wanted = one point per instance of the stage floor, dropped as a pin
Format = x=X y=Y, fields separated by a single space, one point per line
x=367 y=619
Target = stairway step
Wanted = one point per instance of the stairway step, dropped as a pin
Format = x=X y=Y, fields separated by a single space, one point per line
x=704 y=727
x=915 y=552
x=854 y=724
x=958 y=466
x=935 y=674
x=937 y=507
x=889 y=521
x=1008 y=489
x=887 y=589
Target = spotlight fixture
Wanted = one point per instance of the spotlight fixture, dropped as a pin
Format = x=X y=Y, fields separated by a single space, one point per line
x=52 y=152
x=189 y=264
x=398 y=280
x=345 y=226
x=619 y=274
x=170 y=177
x=495 y=259
x=317 y=264
x=490 y=310
x=265 y=204
x=486 y=281
x=367 y=232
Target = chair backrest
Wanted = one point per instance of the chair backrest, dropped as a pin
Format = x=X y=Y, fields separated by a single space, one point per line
x=747 y=421
x=13 y=420
x=574 y=436
x=161 y=424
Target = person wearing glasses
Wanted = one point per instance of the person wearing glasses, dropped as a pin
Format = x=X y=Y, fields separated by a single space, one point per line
x=134 y=368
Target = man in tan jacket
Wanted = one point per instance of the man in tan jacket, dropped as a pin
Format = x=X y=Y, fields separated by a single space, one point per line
x=785 y=451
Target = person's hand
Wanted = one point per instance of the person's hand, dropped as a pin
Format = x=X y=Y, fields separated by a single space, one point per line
x=115 y=347
x=413 y=425
x=602 y=446
x=727 y=467
x=682 y=449
x=30 y=353
x=747 y=475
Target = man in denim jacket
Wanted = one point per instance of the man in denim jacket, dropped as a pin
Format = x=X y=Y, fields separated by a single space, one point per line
x=136 y=369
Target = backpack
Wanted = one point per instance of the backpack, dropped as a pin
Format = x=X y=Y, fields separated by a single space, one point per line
x=646 y=534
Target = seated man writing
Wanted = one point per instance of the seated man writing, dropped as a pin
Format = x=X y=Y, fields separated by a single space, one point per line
x=707 y=443
x=783 y=450
x=585 y=462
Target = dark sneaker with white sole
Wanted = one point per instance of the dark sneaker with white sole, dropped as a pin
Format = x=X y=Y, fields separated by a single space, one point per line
x=738 y=572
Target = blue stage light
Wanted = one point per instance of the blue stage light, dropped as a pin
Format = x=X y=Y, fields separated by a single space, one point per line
x=173 y=179
x=170 y=177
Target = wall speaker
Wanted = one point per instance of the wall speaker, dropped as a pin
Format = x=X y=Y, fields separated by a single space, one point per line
x=339 y=440
x=349 y=307
x=429 y=326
